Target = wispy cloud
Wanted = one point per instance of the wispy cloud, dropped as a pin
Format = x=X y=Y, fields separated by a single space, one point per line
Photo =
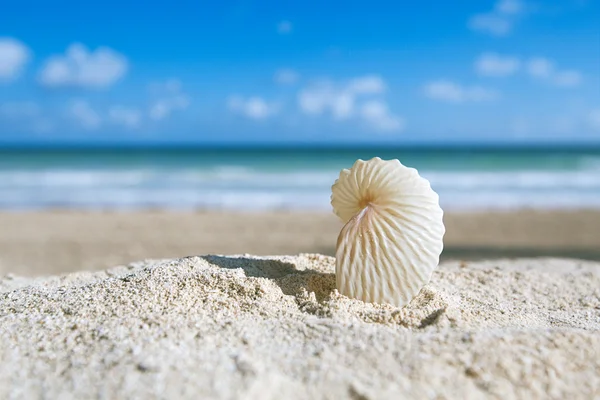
x=324 y=97
x=162 y=109
x=568 y=78
x=352 y=99
x=500 y=20
x=286 y=76
x=339 y=100
x=495 y=65
x=370 y=84
x=445 y=90
x=14 y=56
x=79 y=67
x=130 y=118
x=82 y=113
x=509 y=7
x=284 y=27
x=377 y=114
x=168 y=97
x=540 y=68
x=254 y=107
x=545 y=70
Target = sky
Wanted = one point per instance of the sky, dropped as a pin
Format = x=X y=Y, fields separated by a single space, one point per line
x=311 y=71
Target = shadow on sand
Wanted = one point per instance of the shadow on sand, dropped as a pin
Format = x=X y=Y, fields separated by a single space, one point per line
x=290 y=279
x=271 y=269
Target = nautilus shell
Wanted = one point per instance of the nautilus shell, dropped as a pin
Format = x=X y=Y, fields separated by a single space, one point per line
x=393 y=233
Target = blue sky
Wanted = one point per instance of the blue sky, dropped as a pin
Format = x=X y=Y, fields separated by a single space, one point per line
x=242 y=71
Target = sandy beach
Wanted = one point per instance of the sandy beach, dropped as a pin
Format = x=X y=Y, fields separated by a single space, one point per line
x=253 y=328
x=46 y=242
x=513 y=310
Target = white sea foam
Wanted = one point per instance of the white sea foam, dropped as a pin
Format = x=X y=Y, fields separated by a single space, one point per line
x=245 y=188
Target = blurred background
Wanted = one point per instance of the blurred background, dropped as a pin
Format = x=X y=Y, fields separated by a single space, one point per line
x=133 y=130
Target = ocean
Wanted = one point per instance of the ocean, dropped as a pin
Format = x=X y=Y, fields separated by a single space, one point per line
x=288 y=179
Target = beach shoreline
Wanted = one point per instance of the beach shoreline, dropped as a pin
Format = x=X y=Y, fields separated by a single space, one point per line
x=61 y=241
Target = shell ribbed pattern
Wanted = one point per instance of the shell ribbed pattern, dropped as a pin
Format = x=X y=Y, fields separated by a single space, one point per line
x=393 y=233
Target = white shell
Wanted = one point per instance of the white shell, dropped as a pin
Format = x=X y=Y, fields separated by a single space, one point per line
x=393 y=233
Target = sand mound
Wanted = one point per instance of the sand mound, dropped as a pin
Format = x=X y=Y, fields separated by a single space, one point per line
x=265 y=328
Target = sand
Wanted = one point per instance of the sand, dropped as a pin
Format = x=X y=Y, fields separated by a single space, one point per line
x=250 y=327
x=51 y=242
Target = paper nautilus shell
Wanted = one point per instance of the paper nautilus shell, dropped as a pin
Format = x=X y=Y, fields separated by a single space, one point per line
x=393 y=233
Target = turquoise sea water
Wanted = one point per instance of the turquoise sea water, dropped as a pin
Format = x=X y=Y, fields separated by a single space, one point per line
x=259 y=179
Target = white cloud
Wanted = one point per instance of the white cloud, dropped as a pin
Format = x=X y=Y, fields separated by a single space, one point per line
x=594 y=118
x=79 y=67
x=370 y=84
x=490 y=23
x=169 y=97
x=444 y=90
x=14 y=55
x=129 y=117
x=286 y=76
x=324 y=97
x=347 y=100
x=253 y=107
x=284 y=27
x=454 y=93
x=540 y=68
x=377 y=114
x=492 y=64
x=500 y=20
x=170 y=86
x=509 y=7
x=84 y=114
x=544 y=69
x=339 y=100
x=567 y=78
x=162 y=109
